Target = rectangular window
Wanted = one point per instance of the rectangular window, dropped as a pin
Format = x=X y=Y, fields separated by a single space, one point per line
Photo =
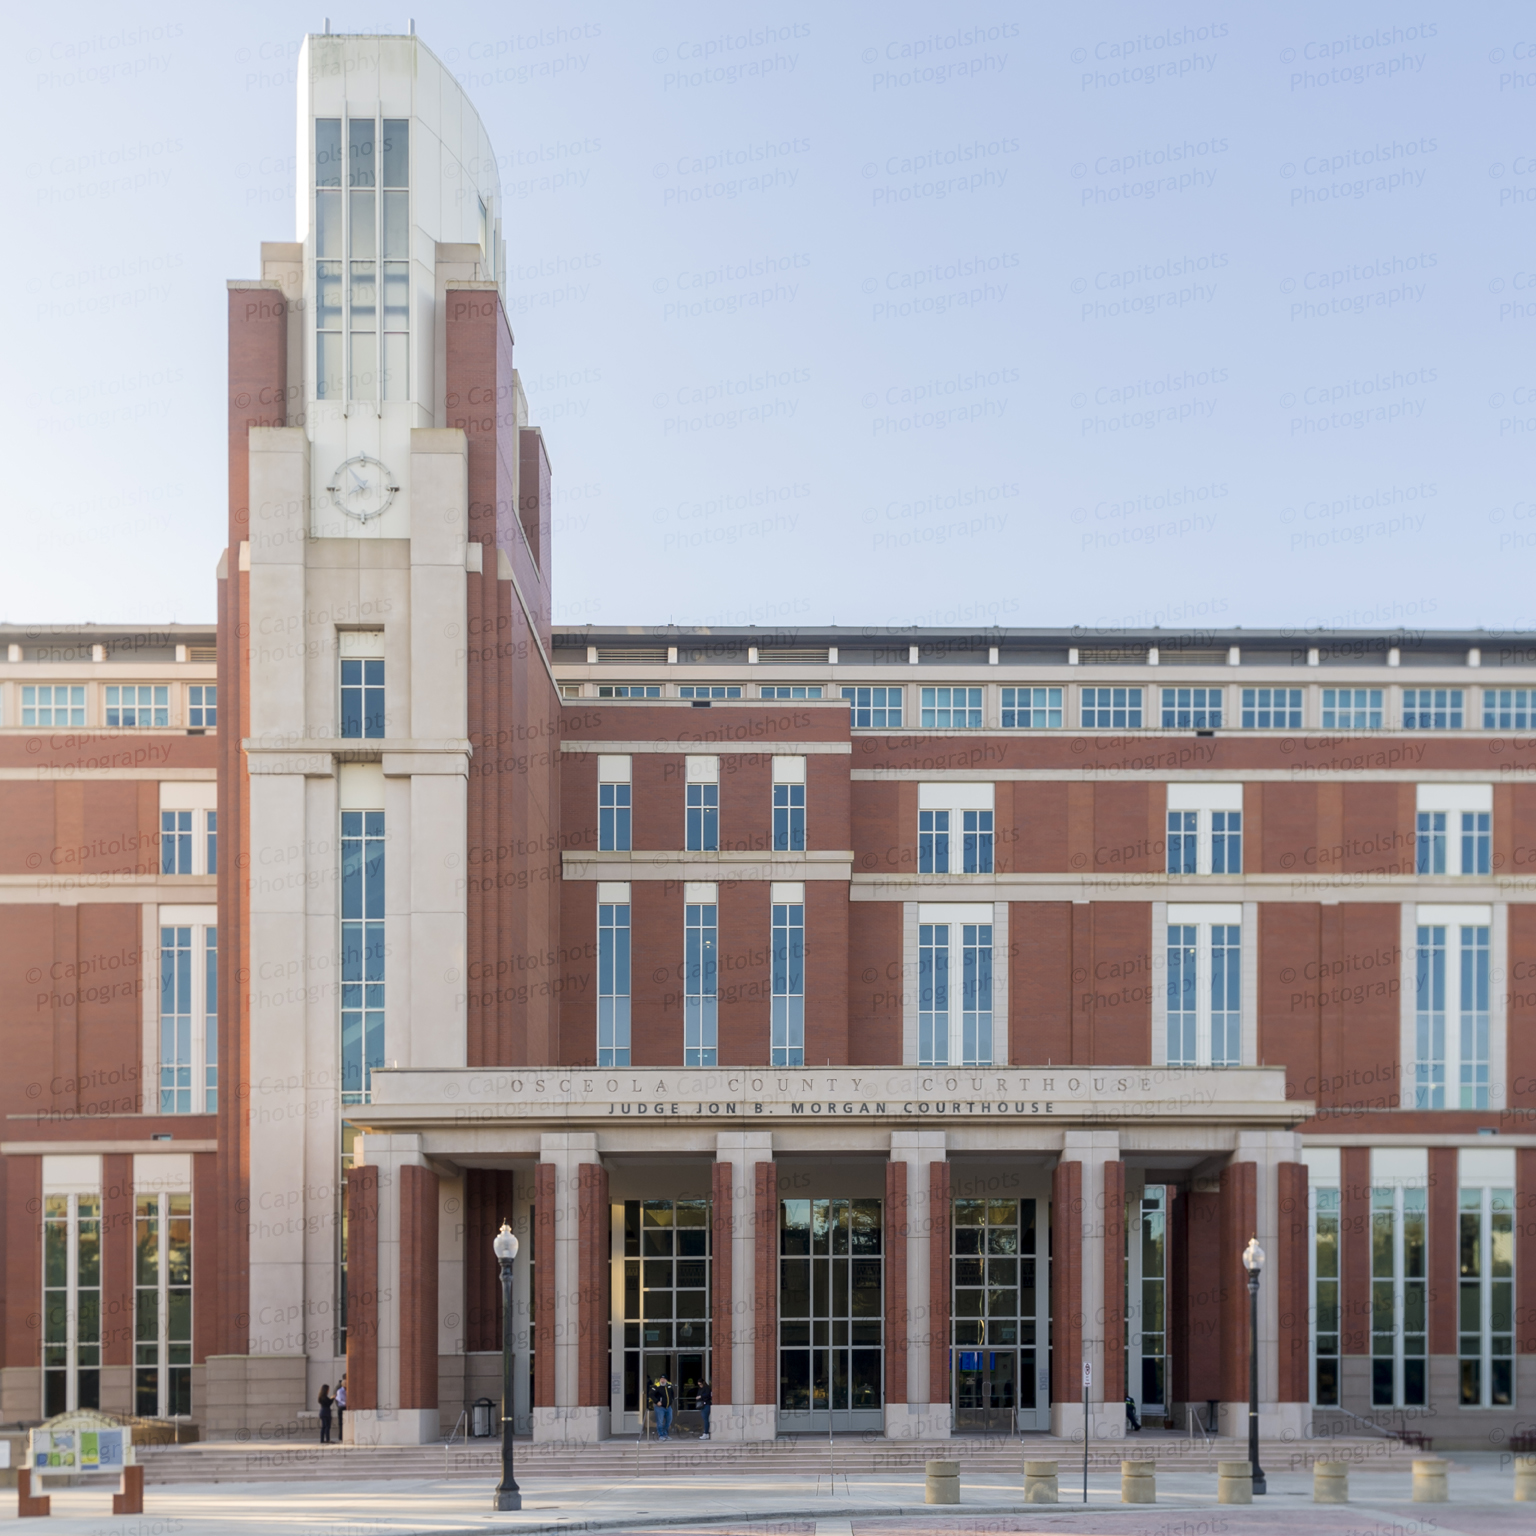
x=1111 y=709
x=1205 y=993
x=875 y=709
x=933 y=842
x=1432 y=709
x=629 y=691
x=790 y=691
x=1183 y=842
x=1452 y=978
x=210 y=1020
x=189 y=1022
x=362 y=697
x=137 y=708
x=612 y=983
x=954 y=1029
x=1399 y=1308
x=700 y=983
x=1486 y=1304
x=947 y=709
x=1509 y=709
x=703 y=817
x=976 y=842
x=709 y=691
x=1271 y=709
x=211 y=835
x=162 y=1321
x=788 y=1000
x=1205 y=829
x=329 y=248
x=1325 y=1295
x=53 y=704
x=667 y=1297
x=362 y=952
x=202 y=706
x=176 y=842
x=613 y=809
x=1352 y=709
x=789 y=817
x=1191 y=709
x=71 y=1303
x=1031 y=709
x=1454 y=829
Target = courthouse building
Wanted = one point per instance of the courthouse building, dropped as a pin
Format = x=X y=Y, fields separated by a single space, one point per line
x=880 y=1025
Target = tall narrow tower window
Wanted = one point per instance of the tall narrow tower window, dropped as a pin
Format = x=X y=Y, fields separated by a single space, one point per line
x=328 y=253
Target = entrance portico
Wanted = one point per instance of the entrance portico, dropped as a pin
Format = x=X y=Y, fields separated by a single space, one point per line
x=919 y=1252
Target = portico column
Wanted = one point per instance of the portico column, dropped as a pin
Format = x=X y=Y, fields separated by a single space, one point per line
x=924 y=1322
x=1087 y=1221
x=568 y=1190
x=745 y=1408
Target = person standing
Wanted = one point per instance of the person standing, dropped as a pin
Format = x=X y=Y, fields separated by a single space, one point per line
x=661 y=1406
x=341 y=1409
x=325 y=1400
x=705 y=1398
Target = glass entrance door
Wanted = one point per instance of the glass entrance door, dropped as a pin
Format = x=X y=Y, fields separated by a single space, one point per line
x=986 y=1389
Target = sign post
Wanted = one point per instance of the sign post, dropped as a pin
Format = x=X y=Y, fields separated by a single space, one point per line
x=1087 y=1382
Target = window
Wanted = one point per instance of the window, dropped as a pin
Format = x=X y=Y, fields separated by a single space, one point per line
x=700 y=975
x=1399 y=1307
x=138 y=708
x=362 y=952
x=933 y=842
x=189 y=1011
x=362 y=697
x=53 y=704
x=1325 y=1295
x=666 y=1297
x=1191 y=709
x=354 y=231
x=789 y=804
x=629 y=691
x=1486 y=1304
x=999 y=1268
x=954 y=1029
x=613 y=804
x=570 y=690
x=202 y=706
x=790 y=691
x=612 y=974
x=1432 y=709
x=1031 y=709
x=1111 y=709
x=212 y=840
x=874 y=708
x=787 y=1023
x=1509 y=709
x=162 y=1325
x=1352 y=709
x=1271 y=709
x=947 y=709
x=1205 y=829
x=703 y=804
x=1205 y=991
x=176 y=842
x=71 y=1302
x=1451 y=1012
x=709 y=691
x=948 y=808
x=189 y=836
x=1454 y=829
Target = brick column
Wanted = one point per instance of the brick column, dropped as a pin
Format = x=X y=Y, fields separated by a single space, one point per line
x=544 y=1287
x=1239 y=1221
x=362 y=1289
x=1112 y=1223
x=1066 y=1287
x=1097 y=1268
x=1292 y=1274
x=1443 y=1256
x=595 y=1302
x=895 y=1282
x=722 y=1291
x=117 y=1258
x=765 y=1311
x=1355 y=1269
x=418 y=1287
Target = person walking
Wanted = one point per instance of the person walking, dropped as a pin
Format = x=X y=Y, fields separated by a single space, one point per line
x=661 y=1406
x=325 y=1401
x=705 y=1398
x=1132 y=1418
x=341 y=1409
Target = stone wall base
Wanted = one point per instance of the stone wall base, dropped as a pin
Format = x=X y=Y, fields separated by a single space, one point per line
x=255 y=1397
x=917 y=1421
x=392 y=1426
x=571 y=1426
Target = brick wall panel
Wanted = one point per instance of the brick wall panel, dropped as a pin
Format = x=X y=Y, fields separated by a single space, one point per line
x=1121 y=841
x=363 y=1287
x=828 y=801
x=1289 y=829
x=745 y=974
x=746 y=802
x=418 y=1287
x=1039 y=982
x=874 y=983
x=1120 y=983
x=1067 y=1217
x=577 y=974
x=1040 y=827
x=1208 y=1284
x=722 y=1317
x=1291 y=1274
x=1378 y=829
x=1355 y=1251
x=1289 y=1020
x=659 y=795
x=1239 y=1220
x=897 y=1321
x=656 y=979
x=826 y=973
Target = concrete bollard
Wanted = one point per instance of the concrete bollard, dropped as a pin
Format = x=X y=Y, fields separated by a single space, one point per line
x=943 y=1483
x=1330 y=1482
x=1234 y=1482
x=1040 y=1482
x=1138 y=1482
x=1431 y=1480
x=1525 y=1479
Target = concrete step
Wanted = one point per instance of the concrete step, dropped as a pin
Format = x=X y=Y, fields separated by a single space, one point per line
x=798 y=1456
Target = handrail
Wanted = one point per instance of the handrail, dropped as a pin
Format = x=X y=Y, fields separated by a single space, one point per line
x=1192 y=1423
x=1386 y=1434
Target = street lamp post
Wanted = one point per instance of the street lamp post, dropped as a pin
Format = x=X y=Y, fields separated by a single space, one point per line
x=508 y=1494
x=1253 y=1262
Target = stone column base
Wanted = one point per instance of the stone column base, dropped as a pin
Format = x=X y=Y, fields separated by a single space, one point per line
x=1108 y=1421
x=744 y=1421
x=1276 y=1420
x=917 y=1421
x=261 y=1395
x=571 y=1426
x=392 y=1426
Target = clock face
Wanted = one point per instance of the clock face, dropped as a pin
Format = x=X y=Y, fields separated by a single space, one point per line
x=362 y=487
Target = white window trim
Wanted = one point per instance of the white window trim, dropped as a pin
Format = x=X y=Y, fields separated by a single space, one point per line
x=703 y=770
x=1496 y=919
x=1453 y=799
x=200 y=797
x=953 y=913
x=1203 y=915
x=614 y=769
x=955 y=795
x=199 y=918
x=788 y=770
x=1203 y=798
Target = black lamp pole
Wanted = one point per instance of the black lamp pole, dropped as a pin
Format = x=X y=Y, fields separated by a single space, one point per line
x=1253 y=1262
x=508 y=1494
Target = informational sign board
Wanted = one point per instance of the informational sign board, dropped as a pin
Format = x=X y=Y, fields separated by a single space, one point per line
x=56 y=1451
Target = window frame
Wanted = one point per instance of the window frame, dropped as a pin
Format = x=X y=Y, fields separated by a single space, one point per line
x=860 y=698
x=701 y=977
x=1093 y=703
x=1374 y=708
x=1202 y=715
x=615 y=955
x=1237 y=940
x=1052 y=706
x=1294 y=709
x=1449 y=703
x=787 y=979
x=194 y=982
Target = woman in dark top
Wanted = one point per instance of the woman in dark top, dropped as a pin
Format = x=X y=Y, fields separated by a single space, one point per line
x=704 y=1399
x=325 y=1401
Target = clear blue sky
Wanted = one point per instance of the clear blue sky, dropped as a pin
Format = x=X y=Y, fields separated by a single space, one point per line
x=938 y=314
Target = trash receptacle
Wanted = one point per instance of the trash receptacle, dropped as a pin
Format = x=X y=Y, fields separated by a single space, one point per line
x=482 y=1418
